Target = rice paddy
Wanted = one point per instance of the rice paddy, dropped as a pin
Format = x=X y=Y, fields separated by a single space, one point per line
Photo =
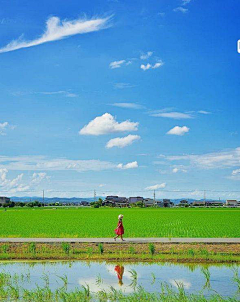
x=146 y=222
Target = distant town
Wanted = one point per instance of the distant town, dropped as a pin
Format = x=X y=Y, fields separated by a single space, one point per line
x=114 y=201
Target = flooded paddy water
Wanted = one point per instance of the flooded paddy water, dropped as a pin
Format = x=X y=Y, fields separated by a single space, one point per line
x=126 y=276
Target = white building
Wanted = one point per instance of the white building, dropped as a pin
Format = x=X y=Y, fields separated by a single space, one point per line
x=231 y=203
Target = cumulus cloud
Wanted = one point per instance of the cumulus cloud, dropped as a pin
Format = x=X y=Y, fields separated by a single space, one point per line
x=156 y=187
x=173 y=115
x=178 y=130
x=116 y=64
x=57 y=30
x=131 y=165
x=122 y=142
x=106 y=124
x=178 y=169
x=39 y=177
x=180 y=282
x=4 y=127
x=181 y=9
x=150 y=66
x=146 y=56
x=128 y=105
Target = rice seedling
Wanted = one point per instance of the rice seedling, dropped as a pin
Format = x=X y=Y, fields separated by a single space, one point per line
x=66 y=247
x=151 y=247
x=181 y=222
x=32 y=247
x=100 y=248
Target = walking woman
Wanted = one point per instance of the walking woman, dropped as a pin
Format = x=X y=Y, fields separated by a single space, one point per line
x=120 y=229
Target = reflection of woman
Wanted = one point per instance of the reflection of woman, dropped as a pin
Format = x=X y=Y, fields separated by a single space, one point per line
x=120 y=270
x=120 y=229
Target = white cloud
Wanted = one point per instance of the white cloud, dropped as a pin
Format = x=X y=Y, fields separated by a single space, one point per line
x=178 y=130
x=175 y=170
x=39 y=177
x=222 y=159
x=179 y=169
x=146 y=55
x=174 y=115
x=116 y=64
x=180 y=282
x=204 y=112
x=106 y=124
x=150 y=66
x=4 y=127
x=61 y=92
x=123 y=85
x=57 y=30
x=180 y=9
x=156 y=187
x=236 y=172
x=128 y=105
x=131 y=165
x=185 y=2
x=122 y=142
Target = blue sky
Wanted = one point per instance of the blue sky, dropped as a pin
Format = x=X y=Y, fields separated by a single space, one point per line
x=123 y=97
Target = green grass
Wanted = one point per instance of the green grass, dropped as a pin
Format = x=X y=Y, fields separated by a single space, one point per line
x=89 y=222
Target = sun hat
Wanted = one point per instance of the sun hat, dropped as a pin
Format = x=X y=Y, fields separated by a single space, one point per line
x=120 y=216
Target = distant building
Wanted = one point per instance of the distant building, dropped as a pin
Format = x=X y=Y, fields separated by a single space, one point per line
x=4 y=200
x=84 y=203
x=115 y=201
x=183 y=203
x=167 y=203
x=231 y=203
x=135 y=199
x=214 y=203
x=148 y=202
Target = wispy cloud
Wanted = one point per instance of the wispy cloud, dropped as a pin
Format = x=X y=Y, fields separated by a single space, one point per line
x=123 y=85
x=106 y=124
x=57 y=30
x=177 y=130
x=204 y=112
x=132 y=165
x=185 y=2
x=215 y=160
x=122 y=142
x=173 y=115
x=128 y=105
x=181 y=9
x=156 y=187
x=60 y=92
x=116 y=64
x=151 y=66
x=146 y=56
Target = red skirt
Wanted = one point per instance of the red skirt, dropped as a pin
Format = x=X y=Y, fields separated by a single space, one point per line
x=119 y=230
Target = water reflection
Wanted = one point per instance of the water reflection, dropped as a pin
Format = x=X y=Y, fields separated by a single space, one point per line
x=119 y=269
x=127 y=276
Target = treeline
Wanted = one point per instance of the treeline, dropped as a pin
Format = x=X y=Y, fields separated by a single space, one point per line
x=13 y=204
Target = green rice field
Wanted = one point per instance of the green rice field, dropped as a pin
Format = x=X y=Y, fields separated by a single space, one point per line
x=138 y=222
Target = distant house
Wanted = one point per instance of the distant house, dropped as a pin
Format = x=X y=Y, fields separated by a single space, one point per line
x=214 y=203
x=4 y=200
x=84 y=203
x=115 y=201
x=183 y=203
x=167 y=203
x=148 y=202
x=231 y=203
x=132 y=200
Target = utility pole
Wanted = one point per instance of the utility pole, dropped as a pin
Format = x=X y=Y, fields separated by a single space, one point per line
x=43 y=197
x=154 y=197
x=94 y=195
